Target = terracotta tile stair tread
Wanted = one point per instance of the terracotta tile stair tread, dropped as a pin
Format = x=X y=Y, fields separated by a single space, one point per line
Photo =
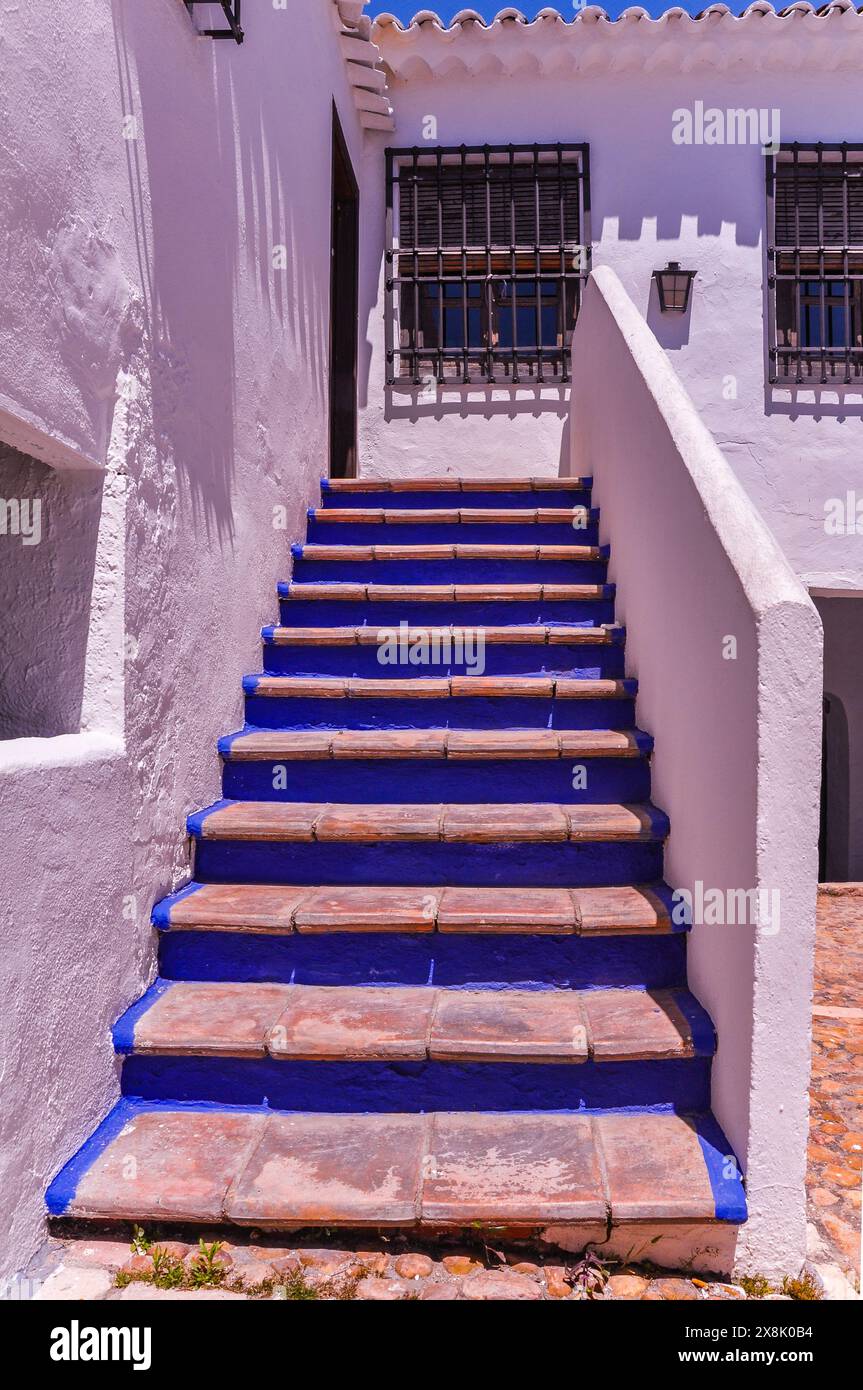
x=200 y=1019
x=491 y=592
x=389 y=822
x=455 y=484
x=393 y=1023
x=359 y=908
x=459 y=551
x=419 y=516
x=371 y=634
x=262 y=820
x=457 y=744
x=367 y=743
x=310 y=636
x=501 y=911
x=283 y=1170
x=262 y=908
x=246 y=907
x=490 y=823
x=621 y=910
x=480 y=822
x=480 y=551
x=432 y=687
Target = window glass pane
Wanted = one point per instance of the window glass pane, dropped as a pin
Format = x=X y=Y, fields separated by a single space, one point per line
x=836 y=326
x=526 y=314
x=856 y=300
x=810 y=326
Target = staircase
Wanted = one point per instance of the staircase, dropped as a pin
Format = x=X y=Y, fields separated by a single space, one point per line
x=426 y=974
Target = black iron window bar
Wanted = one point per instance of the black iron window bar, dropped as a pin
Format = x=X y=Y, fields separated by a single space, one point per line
x=231 y=10
x=488 y=250
x=815 y=263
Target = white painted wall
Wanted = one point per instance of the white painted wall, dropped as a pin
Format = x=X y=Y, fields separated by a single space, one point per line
x=695 y=565
x=616 y=86
x=146 y=335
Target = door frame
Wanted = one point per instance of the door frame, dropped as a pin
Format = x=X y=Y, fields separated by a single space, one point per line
x=344 y=288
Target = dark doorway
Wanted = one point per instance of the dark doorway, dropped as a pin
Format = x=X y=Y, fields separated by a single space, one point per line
x=833 y=846
x=344 y=310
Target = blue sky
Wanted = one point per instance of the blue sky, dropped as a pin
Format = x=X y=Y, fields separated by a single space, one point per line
x=447 y=8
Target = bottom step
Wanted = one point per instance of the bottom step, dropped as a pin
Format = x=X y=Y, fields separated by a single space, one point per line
x=444 y=1170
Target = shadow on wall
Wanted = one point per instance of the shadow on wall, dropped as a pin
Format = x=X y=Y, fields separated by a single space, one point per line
x=49 y=526
x=181 y=182
x=816 y=402
x=210 y=211
x=644 y=210
x=404 y=403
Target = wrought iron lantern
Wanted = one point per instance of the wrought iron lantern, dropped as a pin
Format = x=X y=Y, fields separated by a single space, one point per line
x=674 y=287
x=231 y=9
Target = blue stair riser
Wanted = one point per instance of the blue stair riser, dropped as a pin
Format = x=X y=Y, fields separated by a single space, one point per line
x=678 y=1085
x=459 y=571
x=435 y=862
x=316 y=612
x=588 y=661
x=450 y=571
x=445 y=532
x=418 y=779
x=443 y=959
x=449 y=712
x=433 y=501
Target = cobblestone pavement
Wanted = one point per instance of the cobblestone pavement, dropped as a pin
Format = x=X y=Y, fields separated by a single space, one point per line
x=836 y=1091
x=93 y=1269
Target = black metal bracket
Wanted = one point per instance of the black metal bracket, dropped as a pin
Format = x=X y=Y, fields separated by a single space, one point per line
x=231 y=10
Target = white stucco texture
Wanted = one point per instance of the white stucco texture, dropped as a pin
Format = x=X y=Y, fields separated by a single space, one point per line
x=173 y=370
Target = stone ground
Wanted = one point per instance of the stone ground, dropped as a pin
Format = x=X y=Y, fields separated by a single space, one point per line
x=91 y=1269
x=836 y=1092
x=395 y=1268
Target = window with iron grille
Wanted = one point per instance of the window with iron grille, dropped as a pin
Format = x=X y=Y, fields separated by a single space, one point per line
x=815 y=254
x=488 y=248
